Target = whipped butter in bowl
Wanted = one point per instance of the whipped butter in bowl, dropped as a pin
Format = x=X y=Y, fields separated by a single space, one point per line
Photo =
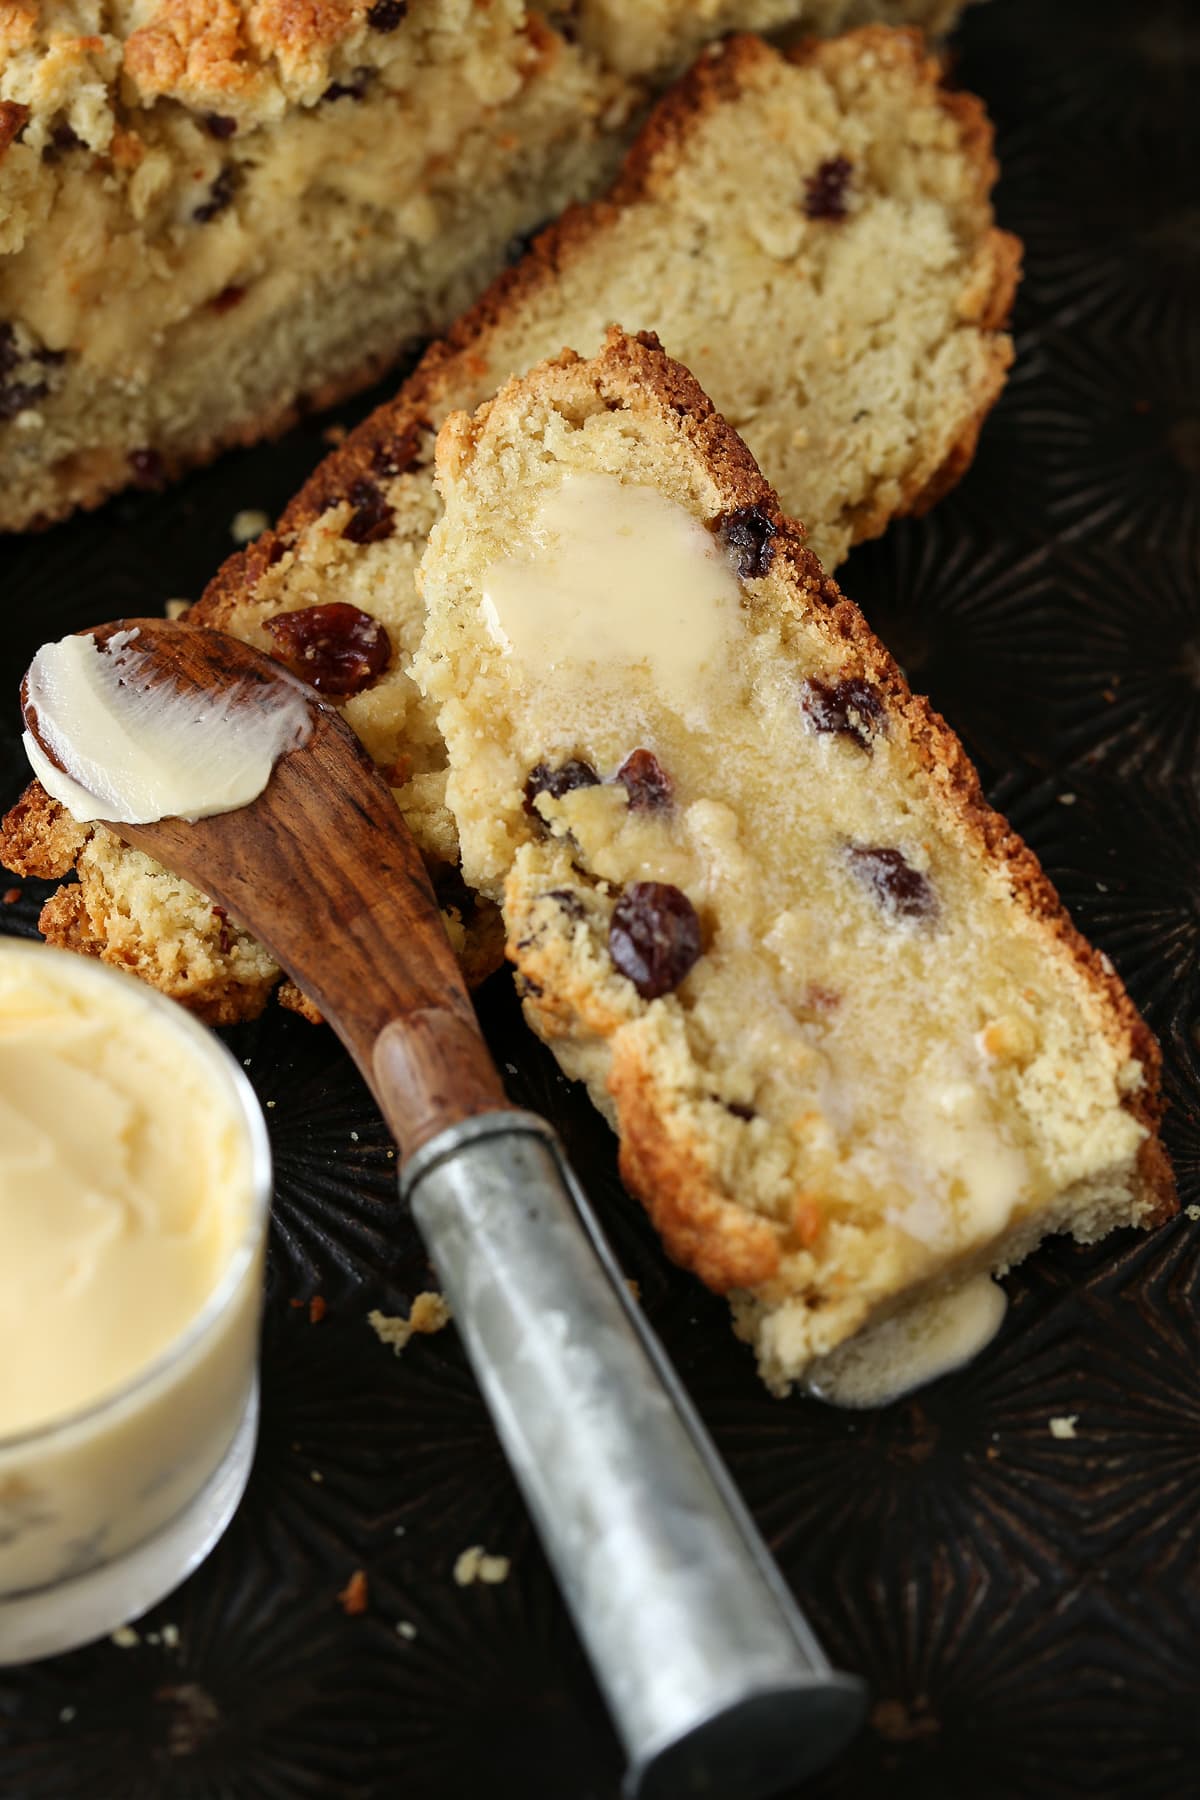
x=134 y=1190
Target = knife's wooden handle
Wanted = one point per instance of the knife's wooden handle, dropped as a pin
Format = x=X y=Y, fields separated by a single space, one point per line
x=323 y=870
x=431 y=1070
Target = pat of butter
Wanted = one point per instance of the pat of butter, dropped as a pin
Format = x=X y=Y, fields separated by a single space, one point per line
x=959 y=1136
x=133 y=750
x=615 y=579
x=124 y=1186
x=966 y=1177
x=929 y=1338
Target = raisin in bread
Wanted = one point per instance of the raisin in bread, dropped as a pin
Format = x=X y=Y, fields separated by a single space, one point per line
x=883 y=313
x=853 y=1047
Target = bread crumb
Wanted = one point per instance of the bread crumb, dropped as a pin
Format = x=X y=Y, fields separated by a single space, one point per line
x=633 y=1287
x=428 y=1313
x=316 y=1309
x=1064 y=1425
x=247 y=524
x=1067 y=799
x=125 y=1637
x=335 y=434
x=1193 y=1212
x=170 y=1636
x=11 y=896
x=474 y=1564
x=315 y=1475
x=406 y=1629
x=353 y=1598
x=175 y=609
x=66 y=1715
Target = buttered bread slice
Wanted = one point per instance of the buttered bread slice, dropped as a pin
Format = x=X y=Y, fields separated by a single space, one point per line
x=853 y=1047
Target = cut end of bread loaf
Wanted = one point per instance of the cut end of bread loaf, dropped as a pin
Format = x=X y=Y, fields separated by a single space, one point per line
x=853 y=1047
x=215 y=223
x=883 y=315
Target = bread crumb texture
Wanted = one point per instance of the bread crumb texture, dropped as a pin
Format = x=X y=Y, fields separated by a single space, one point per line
x=705 y=237
x=852 y=1045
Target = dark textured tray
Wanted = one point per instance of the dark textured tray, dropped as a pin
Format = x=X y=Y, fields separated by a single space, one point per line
x=1027 y=1609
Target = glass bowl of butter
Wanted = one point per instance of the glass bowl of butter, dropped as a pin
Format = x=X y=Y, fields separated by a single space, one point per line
x=135 y=1184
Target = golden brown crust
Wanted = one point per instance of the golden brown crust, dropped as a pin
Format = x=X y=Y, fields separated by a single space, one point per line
x=64 y=923
x=726 y=1245
x=197 y=50
x=38 y=837
x=294 y=999
x=638 y=365
x=251 y=60
x=188 y=40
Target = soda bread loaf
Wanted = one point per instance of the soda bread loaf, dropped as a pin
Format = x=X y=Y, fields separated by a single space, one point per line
x=213 y=214
x=852 y=1045
x=813 y=232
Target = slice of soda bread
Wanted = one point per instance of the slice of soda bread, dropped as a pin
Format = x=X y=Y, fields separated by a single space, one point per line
x=852 y=1045
x=812 y=232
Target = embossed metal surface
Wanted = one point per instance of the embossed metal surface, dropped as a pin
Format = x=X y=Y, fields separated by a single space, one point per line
x=1026 y=1607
